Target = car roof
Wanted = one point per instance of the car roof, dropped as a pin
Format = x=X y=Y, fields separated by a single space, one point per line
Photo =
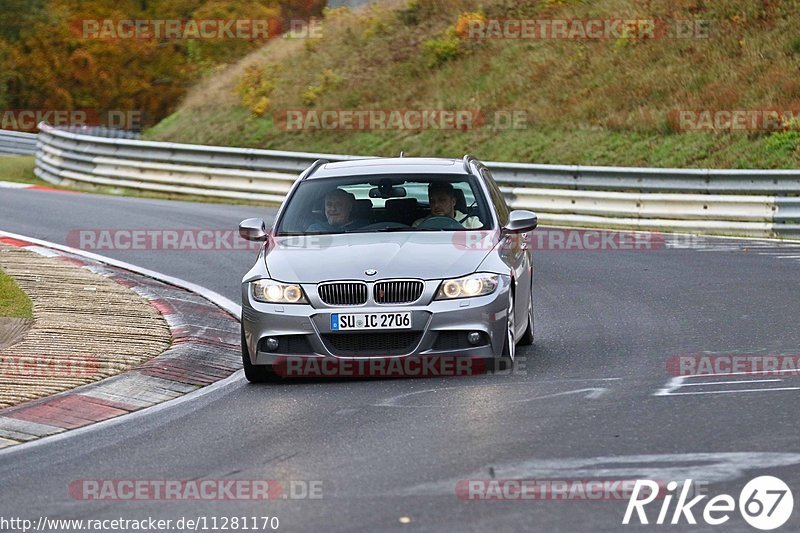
x=390 y=165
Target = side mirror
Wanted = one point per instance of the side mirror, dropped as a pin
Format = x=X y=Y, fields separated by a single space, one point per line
x=521 y=221
x=253 y=229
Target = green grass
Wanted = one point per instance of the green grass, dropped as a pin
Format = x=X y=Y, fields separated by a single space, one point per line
x=19 y=169
x=592 y=103
x=13 y=302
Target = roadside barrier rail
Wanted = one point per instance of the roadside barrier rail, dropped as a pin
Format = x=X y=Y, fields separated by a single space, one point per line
x=763 y=203
x=17 y=143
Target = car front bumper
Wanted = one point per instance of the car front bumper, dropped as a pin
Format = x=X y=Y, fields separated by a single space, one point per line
x=438 y=328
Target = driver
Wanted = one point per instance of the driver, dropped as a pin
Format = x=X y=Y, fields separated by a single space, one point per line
x=338 y=211
x=442 y=201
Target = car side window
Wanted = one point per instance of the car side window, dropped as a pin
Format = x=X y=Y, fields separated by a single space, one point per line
x=498 y=199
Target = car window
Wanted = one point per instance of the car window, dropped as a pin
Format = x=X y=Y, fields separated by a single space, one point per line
x=382 y=203
x=498 y=200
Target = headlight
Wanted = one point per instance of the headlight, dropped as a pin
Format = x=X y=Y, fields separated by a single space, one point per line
x=269 y=291
x=468 y=286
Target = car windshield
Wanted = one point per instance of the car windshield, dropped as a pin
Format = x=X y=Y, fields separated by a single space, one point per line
x=384 y=203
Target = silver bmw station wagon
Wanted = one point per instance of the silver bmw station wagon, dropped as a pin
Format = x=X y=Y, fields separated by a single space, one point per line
x=388 y=258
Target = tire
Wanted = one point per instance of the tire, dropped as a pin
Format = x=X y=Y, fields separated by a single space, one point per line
x=255 y=373
x=527 y=337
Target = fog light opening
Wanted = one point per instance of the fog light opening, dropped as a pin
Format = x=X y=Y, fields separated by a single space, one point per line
x=271 y=344
x=474 y=338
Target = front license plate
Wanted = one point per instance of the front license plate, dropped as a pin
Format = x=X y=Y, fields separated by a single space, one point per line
x=347 y=321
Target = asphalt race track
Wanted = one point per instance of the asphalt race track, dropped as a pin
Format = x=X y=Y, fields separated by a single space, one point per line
x=596 y=400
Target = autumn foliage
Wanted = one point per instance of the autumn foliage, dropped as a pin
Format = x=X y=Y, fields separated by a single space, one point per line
x=48 y=63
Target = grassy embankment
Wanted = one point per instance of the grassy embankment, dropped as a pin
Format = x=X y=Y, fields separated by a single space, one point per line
x=603 y=102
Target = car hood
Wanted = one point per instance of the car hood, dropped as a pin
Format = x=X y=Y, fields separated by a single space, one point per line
x=424 y=255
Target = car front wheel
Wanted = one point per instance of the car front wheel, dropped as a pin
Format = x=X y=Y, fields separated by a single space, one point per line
x=527 y=337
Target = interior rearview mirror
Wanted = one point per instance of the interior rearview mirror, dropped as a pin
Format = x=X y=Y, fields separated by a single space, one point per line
x=387 y=192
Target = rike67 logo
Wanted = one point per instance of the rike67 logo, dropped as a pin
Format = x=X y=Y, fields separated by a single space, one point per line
x=765 y=503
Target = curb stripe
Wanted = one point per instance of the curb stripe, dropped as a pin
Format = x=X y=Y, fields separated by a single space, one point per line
x=13 y=242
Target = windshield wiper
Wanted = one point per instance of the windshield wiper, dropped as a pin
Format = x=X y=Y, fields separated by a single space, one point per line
x=358 y=230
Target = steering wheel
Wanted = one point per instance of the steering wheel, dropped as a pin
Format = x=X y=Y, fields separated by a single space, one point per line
x=440 y=222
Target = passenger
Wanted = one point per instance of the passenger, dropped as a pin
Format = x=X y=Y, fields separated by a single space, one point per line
x=442 y=201
x=338 y=210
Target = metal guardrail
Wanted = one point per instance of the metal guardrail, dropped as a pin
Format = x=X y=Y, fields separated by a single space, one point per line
x=761 y=203
x=103 y=131
x=17 y=143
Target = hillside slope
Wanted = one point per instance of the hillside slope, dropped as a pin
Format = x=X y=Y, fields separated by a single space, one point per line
x=605 y=102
